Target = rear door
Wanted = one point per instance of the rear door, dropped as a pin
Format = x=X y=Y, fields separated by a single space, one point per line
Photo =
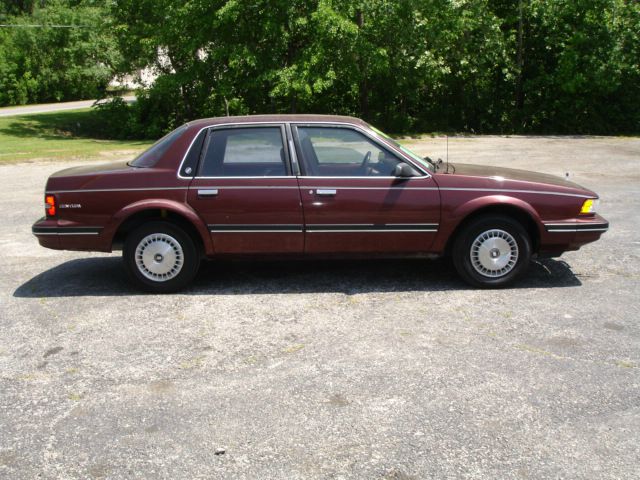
x=245 y=192
x=353 y=202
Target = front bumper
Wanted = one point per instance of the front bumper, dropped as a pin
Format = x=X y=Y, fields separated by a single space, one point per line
x=572 y=234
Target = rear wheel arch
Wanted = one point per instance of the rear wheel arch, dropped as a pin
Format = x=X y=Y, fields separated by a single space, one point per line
x=508 y=210
x=146 y=215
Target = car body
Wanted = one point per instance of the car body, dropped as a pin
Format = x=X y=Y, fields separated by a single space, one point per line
x=309 y=185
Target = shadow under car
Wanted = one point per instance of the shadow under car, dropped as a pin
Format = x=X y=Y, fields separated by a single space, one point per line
x=105 y=276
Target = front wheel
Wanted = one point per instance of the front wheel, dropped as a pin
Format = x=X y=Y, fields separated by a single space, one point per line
x=492 y=251
x=160 y=257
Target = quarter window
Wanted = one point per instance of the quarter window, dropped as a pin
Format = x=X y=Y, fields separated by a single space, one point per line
x=336 y=152
x=244 y=152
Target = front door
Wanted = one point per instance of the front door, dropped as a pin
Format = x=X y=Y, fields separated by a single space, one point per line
x=352 y=201
x=245 y=192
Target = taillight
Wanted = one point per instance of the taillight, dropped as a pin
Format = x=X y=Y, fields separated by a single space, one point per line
x=50 y=205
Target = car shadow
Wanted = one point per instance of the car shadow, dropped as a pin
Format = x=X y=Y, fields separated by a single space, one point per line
x=105 y=276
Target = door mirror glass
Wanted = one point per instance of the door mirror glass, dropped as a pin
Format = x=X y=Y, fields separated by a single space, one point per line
x=405 y=170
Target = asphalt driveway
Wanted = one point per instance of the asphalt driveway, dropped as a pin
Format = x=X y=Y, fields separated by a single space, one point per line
x=390 y=370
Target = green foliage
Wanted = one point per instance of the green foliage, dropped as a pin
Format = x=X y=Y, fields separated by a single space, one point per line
x=562 y=66
x=46 y=64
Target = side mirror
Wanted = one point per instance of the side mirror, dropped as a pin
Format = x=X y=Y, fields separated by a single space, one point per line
x=405 y=170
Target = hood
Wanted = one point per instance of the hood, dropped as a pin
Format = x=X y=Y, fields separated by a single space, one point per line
x=511 y=174
x=112 y=167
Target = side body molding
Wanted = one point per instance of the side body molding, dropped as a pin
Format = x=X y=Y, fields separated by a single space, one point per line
x=173 y=206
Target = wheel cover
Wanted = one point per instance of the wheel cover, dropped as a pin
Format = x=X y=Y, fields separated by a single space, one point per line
x=159 y=257
x=494 y=253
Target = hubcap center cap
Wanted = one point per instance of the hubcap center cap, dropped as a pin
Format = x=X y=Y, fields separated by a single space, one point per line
x=159 y=257
x=494 y=253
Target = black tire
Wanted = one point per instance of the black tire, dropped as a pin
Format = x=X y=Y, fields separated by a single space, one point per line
x=492 y=251
x=160 y=257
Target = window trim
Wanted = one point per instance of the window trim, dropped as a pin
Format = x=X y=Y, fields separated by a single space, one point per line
x=349 y=126
x=291 y=125
x=212 y=129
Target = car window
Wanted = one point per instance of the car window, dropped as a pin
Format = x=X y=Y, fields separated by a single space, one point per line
x=335 y=152
x=244 y=152
x=150 y=157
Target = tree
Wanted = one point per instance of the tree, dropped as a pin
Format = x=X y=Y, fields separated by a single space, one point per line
x=42 y=63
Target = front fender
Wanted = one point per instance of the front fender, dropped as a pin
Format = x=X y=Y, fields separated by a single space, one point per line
x=453 y=218
x=175 y=207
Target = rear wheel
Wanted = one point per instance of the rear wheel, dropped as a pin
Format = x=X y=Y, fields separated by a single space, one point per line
x=492 y=251
x=160 y=257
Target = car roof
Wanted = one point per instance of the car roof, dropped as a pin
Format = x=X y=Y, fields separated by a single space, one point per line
x=203 y=122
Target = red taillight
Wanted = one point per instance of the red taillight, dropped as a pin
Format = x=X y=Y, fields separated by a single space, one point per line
x=50 y=205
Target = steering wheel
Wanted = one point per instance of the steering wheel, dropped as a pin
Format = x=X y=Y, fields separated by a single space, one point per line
x=365 y=162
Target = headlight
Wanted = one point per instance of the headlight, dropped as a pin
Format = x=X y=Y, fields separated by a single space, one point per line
x=589 y=206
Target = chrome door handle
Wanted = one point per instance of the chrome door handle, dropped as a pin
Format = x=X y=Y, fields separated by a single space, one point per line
x=212 y=192
x=326 y=191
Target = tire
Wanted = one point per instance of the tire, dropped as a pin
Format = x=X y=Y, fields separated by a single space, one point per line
x=492 y=251
x=160 y=257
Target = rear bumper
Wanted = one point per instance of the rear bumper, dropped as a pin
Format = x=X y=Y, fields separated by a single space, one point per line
x=560 y=236
x=59 y=235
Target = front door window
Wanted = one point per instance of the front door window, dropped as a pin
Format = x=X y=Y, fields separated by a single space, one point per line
x=342 y=152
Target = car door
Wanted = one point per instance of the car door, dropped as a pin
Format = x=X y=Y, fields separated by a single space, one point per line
x=353 y=202
x=245 y=192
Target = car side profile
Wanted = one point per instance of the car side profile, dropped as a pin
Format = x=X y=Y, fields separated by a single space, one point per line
x=309 y=185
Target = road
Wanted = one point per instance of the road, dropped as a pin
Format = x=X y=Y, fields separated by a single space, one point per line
x=52 y=107
x=341 y=370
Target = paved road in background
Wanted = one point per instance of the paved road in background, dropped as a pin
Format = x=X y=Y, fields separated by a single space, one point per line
x=52 y=107
x=338 y=370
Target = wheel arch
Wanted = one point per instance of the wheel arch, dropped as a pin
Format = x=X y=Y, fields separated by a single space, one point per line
x=132 y=216
x=516 y=209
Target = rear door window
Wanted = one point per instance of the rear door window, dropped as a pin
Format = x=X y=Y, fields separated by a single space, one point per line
x=245 y=152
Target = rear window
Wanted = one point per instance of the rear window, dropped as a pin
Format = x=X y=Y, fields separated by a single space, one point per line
x=149 y=157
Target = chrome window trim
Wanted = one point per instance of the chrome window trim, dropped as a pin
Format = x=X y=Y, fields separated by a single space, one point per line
x=375 y=138
x=225 y=125
x=288 y=124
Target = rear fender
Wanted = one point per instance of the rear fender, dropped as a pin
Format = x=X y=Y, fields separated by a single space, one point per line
x=161 y=204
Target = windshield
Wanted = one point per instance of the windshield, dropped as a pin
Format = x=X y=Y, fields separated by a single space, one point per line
x=414 y=156
x=149 y=157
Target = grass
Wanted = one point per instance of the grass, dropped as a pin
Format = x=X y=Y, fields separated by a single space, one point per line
x=67 y=135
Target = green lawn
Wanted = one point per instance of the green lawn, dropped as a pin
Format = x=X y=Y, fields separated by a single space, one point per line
x=60 y=136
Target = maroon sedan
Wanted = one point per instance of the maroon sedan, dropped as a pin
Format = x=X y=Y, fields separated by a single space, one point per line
x=312 y=186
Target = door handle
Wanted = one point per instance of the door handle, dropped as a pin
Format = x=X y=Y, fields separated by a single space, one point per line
x=326 y=191
x=212 y=192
